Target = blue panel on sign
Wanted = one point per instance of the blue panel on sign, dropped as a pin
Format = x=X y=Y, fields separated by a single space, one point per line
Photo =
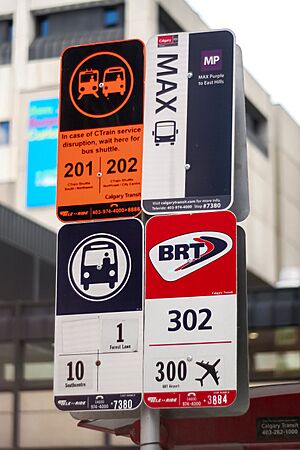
x=99 y=267
x=42 y=152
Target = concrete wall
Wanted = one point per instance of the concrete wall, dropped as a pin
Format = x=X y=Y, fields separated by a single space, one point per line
x=261 y=224
x=42 y=425
x=287 y=144
x=6 y=419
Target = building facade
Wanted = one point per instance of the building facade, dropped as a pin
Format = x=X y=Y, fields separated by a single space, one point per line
x=32 y=36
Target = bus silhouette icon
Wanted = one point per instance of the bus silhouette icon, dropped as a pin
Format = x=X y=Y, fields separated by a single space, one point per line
x=114 y=81
x=99 y=267
x=165 y=131
x=99 y=264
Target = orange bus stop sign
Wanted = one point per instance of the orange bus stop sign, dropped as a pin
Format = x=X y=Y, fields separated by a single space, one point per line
x=101 y=131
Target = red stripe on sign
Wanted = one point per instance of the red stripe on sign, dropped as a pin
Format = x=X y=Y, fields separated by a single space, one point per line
x=195 y=399
x=190 y=343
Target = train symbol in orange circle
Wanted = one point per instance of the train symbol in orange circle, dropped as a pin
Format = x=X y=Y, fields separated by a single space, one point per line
x=114 y=81
x=94 y=80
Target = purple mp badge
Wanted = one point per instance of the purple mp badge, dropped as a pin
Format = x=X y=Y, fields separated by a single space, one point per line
x=211 y=60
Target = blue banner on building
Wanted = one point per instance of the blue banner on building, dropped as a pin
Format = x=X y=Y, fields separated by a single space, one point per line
x=42 y=152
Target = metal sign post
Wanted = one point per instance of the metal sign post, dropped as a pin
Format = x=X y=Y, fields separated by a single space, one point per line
x=241 y=205
x=150 y=428
x=101 y=131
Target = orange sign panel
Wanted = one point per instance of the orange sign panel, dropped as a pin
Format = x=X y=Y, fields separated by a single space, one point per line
x=101 y=131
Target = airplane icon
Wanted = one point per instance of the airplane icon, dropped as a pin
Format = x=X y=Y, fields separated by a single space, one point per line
x=210 y=370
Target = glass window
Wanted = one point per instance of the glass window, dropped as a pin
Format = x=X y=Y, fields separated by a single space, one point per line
x=7 y=365
x=256 y=127
x=6 y=30
x=111 y=17
x=9 y=30
x=43 y=26
x=166 y=24
x=4 y=133
x=38 y=361
x=62 y=28
x=274 y=354
x=278 y=362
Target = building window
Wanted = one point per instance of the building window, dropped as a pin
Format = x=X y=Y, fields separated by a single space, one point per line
x=4 y=133
x=42 y=26
x=256 y=124
x=274 y=354
x=111 y=17
x=6 y=30
x=9 y=30
x=166 y=24
x=7 y=363
x=58 y=30
x=6 y=27
x=38 y=361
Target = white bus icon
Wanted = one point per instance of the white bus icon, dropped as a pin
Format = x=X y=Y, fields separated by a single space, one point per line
x=165 y=131
x=99 y=267
x=99 y=264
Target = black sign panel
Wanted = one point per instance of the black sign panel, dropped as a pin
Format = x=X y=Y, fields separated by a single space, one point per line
x=278 y=428
x=87 y=70
x=209 y=116
x=99 y=267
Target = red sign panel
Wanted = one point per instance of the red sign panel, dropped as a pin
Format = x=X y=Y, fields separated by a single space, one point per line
x=190 y=311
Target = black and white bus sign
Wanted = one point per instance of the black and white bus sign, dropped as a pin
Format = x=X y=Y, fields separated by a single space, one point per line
x=189 y=122
x=99 y=317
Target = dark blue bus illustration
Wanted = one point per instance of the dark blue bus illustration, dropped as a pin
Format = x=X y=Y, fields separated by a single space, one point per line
x=99 y=264
x=165 y=131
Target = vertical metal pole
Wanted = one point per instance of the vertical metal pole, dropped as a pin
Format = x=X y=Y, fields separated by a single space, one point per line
x=150 y=418
x=150 y=428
